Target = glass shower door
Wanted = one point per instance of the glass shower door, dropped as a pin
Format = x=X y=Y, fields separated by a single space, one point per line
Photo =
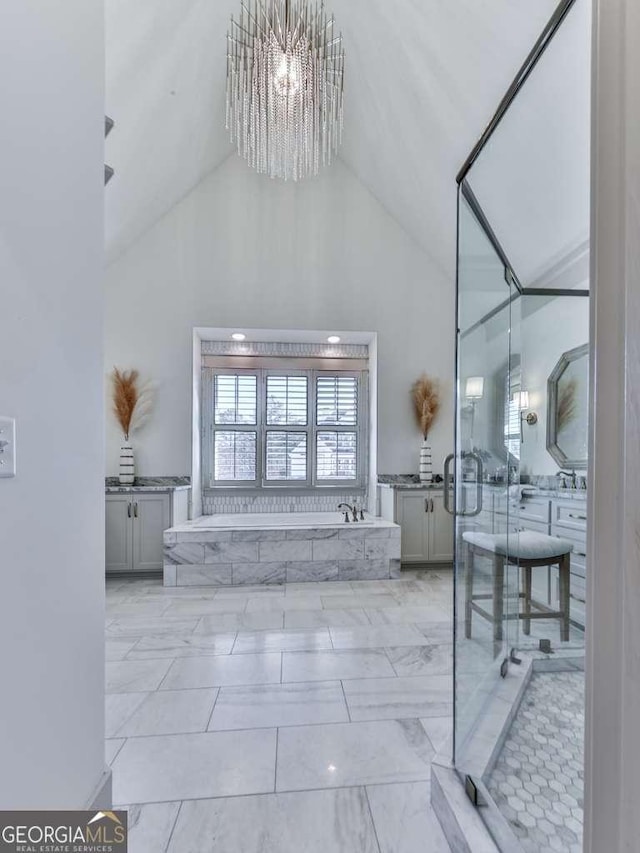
x=485 y=462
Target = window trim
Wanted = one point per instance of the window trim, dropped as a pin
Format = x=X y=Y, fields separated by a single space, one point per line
x=261 y=485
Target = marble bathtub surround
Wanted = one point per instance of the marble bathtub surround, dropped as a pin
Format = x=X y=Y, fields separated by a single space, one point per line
x=271 y=731
x=197 y=556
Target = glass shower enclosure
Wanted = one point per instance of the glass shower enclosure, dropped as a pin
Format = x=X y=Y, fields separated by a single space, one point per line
x=522 y=307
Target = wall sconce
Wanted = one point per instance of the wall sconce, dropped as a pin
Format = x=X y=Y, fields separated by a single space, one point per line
x=521 y=399
x=474 y=388
x=473 y=392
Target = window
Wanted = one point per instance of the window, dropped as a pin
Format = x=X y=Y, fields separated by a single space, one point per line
x=288 y=429
x=511 y=418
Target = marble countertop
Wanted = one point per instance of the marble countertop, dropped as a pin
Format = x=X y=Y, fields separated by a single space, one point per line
x=148 y=484
x=412 y=481
x=405 y=481
x=531 y=491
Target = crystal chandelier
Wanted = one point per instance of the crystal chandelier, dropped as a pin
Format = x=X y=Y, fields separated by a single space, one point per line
x=285 y=75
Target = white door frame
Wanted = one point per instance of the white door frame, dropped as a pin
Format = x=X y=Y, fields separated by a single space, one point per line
x=612 y=810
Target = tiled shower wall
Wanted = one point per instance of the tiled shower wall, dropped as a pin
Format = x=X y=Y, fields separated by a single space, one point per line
x=213 y=504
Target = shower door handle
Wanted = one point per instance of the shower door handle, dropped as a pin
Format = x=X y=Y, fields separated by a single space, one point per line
x=448 y=480
x=479 y=479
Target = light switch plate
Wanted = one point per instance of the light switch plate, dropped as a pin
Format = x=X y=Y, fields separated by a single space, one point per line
x=7 y=447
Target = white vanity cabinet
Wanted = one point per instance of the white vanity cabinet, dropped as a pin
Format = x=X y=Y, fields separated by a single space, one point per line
x=569 y=521
x=426 y=527
x=119 y=533
x=135 y=523
x=559 y=515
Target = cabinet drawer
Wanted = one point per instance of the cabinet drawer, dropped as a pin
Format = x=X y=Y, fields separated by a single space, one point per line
x=572 y=516
x=578 y=587
x=578 y=538
x=538 y=526
x=530 y=509
x=577 y=612
x=534 y=510
x=578 y=561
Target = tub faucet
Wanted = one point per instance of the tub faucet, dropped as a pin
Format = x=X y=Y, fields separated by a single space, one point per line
x=348 y=509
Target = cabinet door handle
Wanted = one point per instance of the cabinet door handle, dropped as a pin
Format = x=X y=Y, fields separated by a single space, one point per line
x=135 y=509
x=129 y=509
x=426 y=504
x=431 y=505
x=581 y=517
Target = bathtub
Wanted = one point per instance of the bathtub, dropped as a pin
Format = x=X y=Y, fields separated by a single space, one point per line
x=280 y=520
x=274 y=548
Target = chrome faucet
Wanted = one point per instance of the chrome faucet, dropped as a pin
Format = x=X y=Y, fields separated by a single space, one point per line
x=348 y=509
x=353 y=510
x=572 y=475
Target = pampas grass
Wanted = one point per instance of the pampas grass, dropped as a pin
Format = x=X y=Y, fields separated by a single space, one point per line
x=566 y=404
x=132 y=402
x=425 y=393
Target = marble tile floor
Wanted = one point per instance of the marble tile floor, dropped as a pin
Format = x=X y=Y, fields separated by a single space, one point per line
x=279 y=718
x=537 y=782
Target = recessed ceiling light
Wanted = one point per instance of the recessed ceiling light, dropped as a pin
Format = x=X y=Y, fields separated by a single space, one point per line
x=333 y=339
x=238 y=336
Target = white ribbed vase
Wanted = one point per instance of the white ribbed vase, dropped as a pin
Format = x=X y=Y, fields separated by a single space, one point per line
x=127 y=472
x=425 y=470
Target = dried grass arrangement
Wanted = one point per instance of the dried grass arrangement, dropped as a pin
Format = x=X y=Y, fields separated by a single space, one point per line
x=425 y=393
x=132 y=402
x=566 y=403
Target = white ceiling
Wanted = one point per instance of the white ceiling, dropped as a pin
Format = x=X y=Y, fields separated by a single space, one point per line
x=423 y=78
x=532 y=179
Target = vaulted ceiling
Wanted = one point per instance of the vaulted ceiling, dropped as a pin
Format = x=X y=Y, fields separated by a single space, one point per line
x=423 y=78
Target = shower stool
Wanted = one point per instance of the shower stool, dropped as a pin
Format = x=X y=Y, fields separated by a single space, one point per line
x=526 y=549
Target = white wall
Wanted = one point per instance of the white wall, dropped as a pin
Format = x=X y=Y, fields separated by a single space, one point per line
x=241 y=250
x=52 y=513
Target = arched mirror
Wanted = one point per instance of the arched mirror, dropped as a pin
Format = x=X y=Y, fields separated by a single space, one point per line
x=568 y=409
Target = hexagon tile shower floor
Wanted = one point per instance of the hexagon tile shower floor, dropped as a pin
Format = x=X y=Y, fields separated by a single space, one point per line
x=537 y=783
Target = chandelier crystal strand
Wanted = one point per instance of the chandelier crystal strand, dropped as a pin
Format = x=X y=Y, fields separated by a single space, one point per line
x=285 y=84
